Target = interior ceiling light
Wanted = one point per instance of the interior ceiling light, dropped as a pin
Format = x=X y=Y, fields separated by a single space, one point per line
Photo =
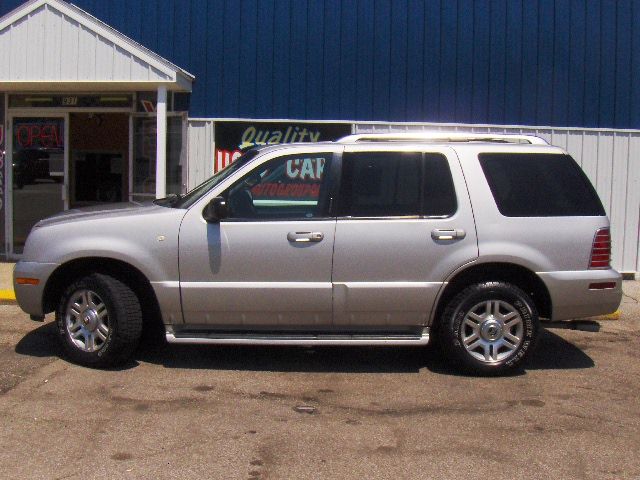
x=114 y=99
x=39 y=99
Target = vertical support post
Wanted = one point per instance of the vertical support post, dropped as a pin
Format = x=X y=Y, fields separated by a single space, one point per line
x=161 y=143
x=66 y=181
x=130 y=155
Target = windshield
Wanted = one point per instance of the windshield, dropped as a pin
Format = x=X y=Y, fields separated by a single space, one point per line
x=198 y=192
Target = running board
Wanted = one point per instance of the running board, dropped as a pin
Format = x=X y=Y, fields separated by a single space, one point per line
x=305 y=340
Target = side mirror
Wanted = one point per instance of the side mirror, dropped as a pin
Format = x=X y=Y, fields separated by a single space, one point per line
x=215 y=210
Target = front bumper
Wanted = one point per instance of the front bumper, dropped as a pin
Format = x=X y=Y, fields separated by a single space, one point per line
x=30 y=297
x=571 y=296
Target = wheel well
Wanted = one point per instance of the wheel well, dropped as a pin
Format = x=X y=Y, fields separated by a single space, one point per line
x=517 y=275
x=126 y=273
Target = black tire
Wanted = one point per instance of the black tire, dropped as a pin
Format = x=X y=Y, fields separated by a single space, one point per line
x=123 y=319
x=458 y=325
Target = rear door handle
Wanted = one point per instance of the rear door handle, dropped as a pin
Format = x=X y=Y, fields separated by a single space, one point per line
x=302 y=237
x=447 y=233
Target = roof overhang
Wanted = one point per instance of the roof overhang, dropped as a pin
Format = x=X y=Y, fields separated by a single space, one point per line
x=77 y=52
x=88 y=87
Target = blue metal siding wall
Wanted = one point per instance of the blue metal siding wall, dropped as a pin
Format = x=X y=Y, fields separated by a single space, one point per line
x=530 y=62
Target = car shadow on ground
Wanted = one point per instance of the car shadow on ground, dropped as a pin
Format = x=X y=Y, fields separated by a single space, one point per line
x=552 y=352
x=40 y=342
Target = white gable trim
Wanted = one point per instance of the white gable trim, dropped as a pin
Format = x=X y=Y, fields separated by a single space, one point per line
x=101 y=29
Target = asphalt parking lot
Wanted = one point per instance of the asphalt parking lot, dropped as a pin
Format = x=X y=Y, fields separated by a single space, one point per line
x=271 y=413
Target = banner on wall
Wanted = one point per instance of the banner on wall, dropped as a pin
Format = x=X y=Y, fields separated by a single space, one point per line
x=3 y=173
x=232 y=137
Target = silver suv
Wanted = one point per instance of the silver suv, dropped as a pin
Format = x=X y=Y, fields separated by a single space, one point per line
x=389 y=239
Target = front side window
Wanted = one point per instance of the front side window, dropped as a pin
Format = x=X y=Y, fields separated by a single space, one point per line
x=396 y=184
x=289 y=187
x=201 y=190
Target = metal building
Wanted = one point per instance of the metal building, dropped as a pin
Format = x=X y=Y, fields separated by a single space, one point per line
x=562 y=68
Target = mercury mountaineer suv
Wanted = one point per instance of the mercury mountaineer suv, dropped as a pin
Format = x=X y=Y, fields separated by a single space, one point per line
x=375 y=239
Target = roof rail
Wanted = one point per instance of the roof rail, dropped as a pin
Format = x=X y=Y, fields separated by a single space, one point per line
x=443 y=137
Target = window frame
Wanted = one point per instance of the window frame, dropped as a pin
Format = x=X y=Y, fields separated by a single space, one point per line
x=337 y=201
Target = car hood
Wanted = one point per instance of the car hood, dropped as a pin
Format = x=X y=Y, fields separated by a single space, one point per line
x=110 y=210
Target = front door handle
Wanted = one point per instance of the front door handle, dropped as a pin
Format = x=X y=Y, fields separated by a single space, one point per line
x=448 y=233
x=302 y=237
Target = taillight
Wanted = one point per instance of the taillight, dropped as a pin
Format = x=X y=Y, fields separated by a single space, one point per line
x=601 y=249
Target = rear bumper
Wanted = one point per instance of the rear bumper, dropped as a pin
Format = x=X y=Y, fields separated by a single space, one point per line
x=571 y=296
x=30 y=297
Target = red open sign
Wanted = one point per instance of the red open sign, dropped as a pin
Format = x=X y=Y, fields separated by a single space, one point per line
x=43 y=135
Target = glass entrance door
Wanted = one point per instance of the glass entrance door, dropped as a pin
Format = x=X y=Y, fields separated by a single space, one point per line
x=38 y=158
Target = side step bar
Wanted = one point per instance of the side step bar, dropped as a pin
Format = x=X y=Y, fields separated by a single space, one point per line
x=307 y=340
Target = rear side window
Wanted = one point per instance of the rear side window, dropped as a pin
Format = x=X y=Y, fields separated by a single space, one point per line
x=539 y=185
x=439 y=196
x=388 y=184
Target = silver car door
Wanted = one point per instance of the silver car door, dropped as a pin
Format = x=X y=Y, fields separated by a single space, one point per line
x=404 y=224
x=269 y=263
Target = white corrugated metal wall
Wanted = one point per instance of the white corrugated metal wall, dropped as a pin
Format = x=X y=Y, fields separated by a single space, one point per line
x=200 y=134
x=610 y=158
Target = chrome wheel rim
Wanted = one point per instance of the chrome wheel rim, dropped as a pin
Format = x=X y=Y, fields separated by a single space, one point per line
x=87 y=320
x=492 y=331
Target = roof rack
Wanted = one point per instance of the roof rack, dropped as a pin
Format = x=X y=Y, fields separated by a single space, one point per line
x=443 y=137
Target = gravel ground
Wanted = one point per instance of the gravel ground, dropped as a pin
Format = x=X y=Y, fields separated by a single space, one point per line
x=272 y=413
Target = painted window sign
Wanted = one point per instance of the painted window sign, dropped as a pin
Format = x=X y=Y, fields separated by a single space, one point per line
x=41 y=133
x=146 y=102
x=306 y=168
x=232 y=137
x=294 y=179
x=270 y=190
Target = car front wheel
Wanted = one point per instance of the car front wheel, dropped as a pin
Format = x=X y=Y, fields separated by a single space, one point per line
x=99 y=321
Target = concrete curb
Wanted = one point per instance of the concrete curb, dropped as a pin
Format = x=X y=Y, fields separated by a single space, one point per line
x=612 y=316
x=7 y=297
x=7 y=294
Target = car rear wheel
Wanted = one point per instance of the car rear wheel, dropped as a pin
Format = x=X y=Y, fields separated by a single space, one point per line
x=489 y=328
x=99 y=321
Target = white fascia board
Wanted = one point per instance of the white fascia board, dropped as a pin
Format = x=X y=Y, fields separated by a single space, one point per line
x=183 y=82
x=89 y=86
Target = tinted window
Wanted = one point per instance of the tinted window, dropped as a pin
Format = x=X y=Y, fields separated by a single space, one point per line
x=539 y=185
x=286 y=187
x=384 y=184
x=438 y=192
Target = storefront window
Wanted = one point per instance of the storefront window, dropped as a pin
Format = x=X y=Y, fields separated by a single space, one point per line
x=144 y=158
x=38 y=173
x=3 y=175
x=176 y=161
